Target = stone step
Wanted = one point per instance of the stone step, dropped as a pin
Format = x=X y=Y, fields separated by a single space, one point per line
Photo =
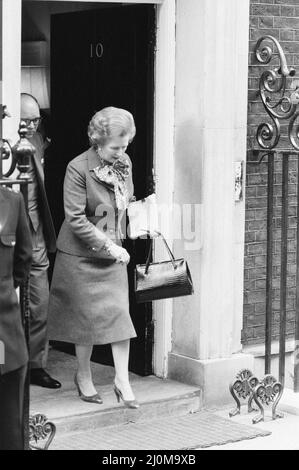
x=166 y=407
x=157 y=398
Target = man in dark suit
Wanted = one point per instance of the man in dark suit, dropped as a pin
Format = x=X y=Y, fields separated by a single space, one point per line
x=15 y=255
x=43 y=240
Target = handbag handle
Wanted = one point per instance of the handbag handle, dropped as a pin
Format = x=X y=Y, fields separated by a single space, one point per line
x=149 y=252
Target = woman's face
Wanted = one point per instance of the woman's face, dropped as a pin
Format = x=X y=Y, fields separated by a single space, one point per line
x=114 y=148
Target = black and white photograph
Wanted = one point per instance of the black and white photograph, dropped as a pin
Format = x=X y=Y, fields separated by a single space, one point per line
x=149 y=230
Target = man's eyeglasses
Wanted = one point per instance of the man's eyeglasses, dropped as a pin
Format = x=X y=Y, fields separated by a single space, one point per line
x=34 y=121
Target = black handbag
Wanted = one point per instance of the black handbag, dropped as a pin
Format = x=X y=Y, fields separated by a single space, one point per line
x=162 y=280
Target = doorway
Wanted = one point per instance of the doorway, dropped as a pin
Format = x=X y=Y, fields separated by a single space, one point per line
x=104 y=57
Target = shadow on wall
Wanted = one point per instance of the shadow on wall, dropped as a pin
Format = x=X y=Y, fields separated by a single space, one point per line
x=188 y=162
x=187 y=215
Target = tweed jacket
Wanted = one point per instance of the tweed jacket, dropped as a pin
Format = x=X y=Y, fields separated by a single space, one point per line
x=90 y=209
x=15 y=256
x=43 y=205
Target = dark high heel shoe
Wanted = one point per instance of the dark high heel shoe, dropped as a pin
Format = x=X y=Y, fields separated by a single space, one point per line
x=127 y=403
x=91 y=398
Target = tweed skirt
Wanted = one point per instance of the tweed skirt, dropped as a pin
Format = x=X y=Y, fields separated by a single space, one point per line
x=89 y=301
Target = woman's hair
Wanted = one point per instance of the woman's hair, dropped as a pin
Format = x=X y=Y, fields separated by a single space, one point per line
x=110 y=122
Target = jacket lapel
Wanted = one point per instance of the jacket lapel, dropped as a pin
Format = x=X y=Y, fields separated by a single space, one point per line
x=45 y=209
x=93 y=162
x=38 y=167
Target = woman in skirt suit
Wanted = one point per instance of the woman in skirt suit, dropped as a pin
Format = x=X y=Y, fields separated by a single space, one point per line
x=89 y=301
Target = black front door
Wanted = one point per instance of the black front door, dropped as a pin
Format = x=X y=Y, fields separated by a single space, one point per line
x=104 y=58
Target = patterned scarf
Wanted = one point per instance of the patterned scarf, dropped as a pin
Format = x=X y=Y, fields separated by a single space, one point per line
x=115 y=175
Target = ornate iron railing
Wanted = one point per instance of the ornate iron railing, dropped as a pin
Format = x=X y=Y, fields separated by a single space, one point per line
x=279 y=102
x=279 y=93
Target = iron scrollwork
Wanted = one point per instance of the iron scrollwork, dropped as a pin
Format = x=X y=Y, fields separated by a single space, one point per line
x=268 y=391
x=5 y=148
x=279 y=102
x=294 y=130
x=242 y=388
x=41 y=429
x=20 y=154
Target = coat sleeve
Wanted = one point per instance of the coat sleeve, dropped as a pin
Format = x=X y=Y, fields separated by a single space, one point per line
x=23 y=247
x=75 y=199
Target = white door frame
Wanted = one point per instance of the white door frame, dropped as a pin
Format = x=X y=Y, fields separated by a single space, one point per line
x=163 y=128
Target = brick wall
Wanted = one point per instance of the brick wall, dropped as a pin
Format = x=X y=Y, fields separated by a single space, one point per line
x=279 y=18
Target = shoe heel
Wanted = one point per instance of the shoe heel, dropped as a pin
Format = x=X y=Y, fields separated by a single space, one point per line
x=90 y=399
x=127 y=403
x=116 y=394
x=77 y=386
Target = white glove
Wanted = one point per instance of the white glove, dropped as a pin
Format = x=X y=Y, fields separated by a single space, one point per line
x=120 y=254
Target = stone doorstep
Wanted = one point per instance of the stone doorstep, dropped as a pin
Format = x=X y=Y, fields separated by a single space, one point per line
x=158 y=398
x=174 y=406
